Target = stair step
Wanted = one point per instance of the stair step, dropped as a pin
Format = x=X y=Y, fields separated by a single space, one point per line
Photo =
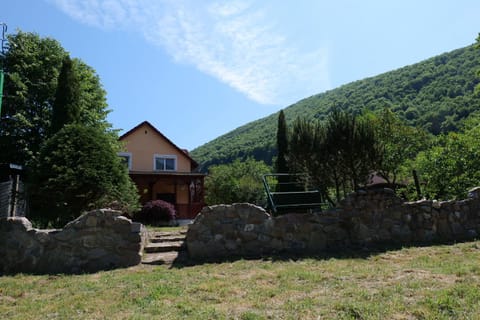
x=164 y=246
x=168 y=233
x=164 y=257
x=174 y=238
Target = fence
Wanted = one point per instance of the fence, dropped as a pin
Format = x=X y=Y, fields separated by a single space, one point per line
x=12 y=198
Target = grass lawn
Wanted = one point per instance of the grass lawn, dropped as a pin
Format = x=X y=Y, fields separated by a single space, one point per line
x=438 y=282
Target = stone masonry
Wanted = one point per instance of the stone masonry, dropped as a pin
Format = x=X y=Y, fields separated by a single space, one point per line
x=97 y=240
x=363 y=219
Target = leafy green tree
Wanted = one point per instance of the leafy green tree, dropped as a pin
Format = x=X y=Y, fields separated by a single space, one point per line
x=93 y=98
x=32 y=65
x=451 y=167
x=66 y=107
x=78 y=169
x=236 y=182
x=68 y=171
x=397 y=143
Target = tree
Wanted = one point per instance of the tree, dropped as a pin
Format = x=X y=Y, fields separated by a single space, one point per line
x=397 y=143
x=236 y=182
x=281 y=164
x=282 y=145
x=451 y=167
x=78 y=169
x=339 y=153
x=66 y=107
x=54 y=107
x=477 y=46
x=352 y=142
x=32 y=65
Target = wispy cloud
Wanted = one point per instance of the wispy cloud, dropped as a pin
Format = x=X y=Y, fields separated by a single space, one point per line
x=235 y=42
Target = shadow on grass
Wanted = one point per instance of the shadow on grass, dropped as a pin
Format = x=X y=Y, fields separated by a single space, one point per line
x=360 y=252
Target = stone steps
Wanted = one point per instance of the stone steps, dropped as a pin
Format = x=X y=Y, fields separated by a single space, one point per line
x=165 y=248
x=170 y=238
x=165 y=257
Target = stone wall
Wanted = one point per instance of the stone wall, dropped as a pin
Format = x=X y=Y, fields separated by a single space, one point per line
x=98 y=240
x=363 y=219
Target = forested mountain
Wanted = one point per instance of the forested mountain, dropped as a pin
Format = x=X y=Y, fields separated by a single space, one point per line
x=436 y=94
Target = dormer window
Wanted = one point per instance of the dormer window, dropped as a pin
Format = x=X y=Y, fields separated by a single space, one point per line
x=165 y=162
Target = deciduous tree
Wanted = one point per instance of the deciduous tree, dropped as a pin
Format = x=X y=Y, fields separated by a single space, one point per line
x=73 y=165
x=397 y=143
x=32 y=66
x=451 y=167
x=236 y=182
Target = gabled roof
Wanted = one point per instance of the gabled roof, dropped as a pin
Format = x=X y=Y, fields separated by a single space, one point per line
x=182 y=151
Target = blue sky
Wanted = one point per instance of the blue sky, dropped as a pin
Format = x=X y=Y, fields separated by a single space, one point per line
x=197 y=69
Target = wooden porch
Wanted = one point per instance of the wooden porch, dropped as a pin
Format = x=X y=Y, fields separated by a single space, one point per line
x=184 y=190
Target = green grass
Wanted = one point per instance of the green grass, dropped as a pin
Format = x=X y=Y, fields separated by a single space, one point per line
x=439 y=282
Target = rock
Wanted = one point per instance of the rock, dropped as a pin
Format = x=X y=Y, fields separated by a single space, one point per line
x=317 y=242
x=474 y=193
x=361 y=233
x=457 y=228
x=401 y=233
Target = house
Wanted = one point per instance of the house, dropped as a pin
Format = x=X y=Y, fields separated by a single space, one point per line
x=163 y=171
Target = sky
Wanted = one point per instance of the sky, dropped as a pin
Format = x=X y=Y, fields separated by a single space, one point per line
x=197 y=69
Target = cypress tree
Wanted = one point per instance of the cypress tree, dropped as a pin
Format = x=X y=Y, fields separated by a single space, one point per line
x=281 y=165
x=282 y=145
x=66 y=107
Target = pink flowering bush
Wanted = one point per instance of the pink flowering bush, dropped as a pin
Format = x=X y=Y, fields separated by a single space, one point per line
x=156 y=212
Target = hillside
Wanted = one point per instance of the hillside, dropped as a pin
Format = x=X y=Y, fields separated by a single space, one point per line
x=436 y=94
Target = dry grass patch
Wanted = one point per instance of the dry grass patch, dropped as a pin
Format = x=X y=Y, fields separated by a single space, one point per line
x=438 y=282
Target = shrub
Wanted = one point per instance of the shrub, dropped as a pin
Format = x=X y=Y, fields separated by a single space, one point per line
x=78 y=170
x=155 y=212
x=236 y=182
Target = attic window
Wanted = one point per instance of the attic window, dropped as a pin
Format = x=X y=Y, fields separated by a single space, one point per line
x=165 y=162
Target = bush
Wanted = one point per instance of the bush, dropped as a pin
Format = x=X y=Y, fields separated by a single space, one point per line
x=155 y=212
x=236 y=182
x=78 y=170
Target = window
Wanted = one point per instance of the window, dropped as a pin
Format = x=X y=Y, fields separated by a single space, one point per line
x=164 y=163
x=126 y=158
